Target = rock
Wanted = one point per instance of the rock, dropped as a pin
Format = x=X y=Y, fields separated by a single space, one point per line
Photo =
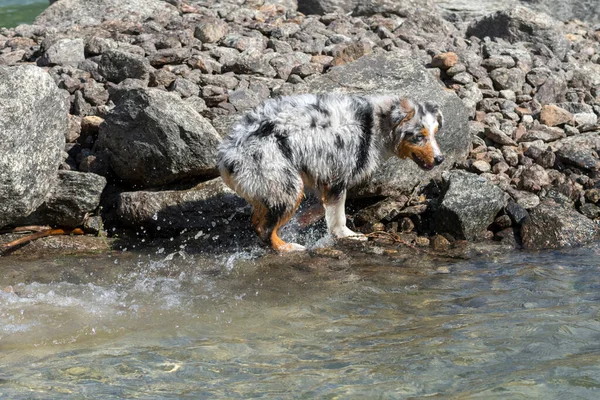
x=543 y=133
x=534 y=178
x=357 y=7
x=64 y=52
x=586 y=121
x=444 y=60
x=399 y=73
x=116 y=66
x=524 y=199
x=75 y=195
x=155 y=138
x=33 y=123
x=440 y=243
x=591 y=211
x=551 y=225
x=497 y=136
x=351 y=52
x=593 y=195
x=65 y=14
x=202 y=207
x=385 y=210
x=481 y=166
x=211 y=30
x=253 y=62
x=508 y=79
x=567 y=10
x=468 y=205
x=553 y=115
x=580 y=157
x=553 y=90
x=521 y=24
x=516 y=212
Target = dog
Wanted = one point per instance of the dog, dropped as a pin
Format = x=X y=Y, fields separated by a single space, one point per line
x=325 y=142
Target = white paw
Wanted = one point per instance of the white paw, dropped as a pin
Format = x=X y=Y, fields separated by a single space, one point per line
x=346 y=233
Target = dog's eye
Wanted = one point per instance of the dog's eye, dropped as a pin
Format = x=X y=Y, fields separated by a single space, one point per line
x=417 y=138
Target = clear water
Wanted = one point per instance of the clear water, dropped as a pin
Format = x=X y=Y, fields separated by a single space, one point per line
x=15 y=12
x=497 y=325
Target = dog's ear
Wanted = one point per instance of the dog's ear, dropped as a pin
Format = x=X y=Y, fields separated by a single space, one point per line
x=402 y=111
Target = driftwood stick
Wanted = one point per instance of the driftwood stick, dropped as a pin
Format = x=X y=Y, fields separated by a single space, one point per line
x=23 y=229
x=8 y=247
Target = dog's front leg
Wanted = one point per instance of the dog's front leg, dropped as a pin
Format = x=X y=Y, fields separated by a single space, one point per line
x=335 y=217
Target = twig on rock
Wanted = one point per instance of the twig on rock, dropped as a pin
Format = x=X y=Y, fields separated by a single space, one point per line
x=11 y=246
x=23 y=229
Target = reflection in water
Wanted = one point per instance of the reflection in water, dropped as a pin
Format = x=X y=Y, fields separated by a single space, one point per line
x=243 y=325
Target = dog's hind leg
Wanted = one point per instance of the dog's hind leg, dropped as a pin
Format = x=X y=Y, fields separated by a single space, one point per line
x=335 y=216
x=267 y=221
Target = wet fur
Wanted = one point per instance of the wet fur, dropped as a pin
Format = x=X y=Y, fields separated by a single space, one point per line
x=327 y=142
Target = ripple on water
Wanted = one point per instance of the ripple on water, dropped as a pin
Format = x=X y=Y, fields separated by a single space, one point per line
x=250 y=324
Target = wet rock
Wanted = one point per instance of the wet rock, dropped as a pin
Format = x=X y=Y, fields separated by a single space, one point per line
x=440 y=243
x=385 y=210
x=116 y=66
x=155 y=138
x=67 y=13
x=33 y=122
x=400 y=74
x=468 y=205
x=75 y=196
x=553 y=115
x=551 y=225
x=203 y=207
x=64 y=52
x=521 y=24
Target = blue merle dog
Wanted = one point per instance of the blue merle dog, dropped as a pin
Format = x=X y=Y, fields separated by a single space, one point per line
x=326 y=142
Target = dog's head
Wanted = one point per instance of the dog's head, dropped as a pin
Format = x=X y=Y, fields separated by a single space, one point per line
x=414 y=130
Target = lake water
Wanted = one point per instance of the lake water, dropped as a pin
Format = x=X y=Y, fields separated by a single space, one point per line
x=372 y=324
x=15 y=12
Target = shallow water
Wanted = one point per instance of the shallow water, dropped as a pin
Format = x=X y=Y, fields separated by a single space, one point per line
x=254 y=325
x=15 y=12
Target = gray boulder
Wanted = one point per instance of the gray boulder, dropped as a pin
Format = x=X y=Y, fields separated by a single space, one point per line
x=357 y=7
x=565 y=10
x=64 y=52
x=74 y=197
x=551 y=225
x=33 y=123
x=66 y=13
x=202 y=207
x=399 y=73
x=155 y=138
x=468 y=205
x=520 y=24
x=116 y=66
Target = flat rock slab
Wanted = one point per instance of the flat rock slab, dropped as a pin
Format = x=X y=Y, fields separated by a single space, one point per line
x=551 y=225
x=33 y=123
x=468 y=205
x=202 y=207
x=399 y=73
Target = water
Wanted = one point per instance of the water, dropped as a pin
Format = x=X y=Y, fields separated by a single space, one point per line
x=15 y=12
x=253 y=325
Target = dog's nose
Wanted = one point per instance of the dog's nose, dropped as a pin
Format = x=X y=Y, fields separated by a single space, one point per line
x=438 y=159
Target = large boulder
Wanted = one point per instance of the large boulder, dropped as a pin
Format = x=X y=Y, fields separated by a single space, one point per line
x=66 y=13
x=75 y=196
x=551 y=225
x=399 y=73
x=468 y=205
x=155 y=138
x=160 y=213
x=521 y=24
x=33 y=123
x=402 y=8
x=565 y=10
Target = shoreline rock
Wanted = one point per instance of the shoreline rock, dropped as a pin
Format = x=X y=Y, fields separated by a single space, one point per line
x=154 y=85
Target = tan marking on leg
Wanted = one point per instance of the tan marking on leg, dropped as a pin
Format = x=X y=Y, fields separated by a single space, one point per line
x=276 y=241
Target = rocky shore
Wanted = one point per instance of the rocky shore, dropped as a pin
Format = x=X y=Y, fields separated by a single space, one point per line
x=111 y=112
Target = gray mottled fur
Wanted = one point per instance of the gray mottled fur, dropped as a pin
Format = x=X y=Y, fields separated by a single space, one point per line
x=328 y=141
